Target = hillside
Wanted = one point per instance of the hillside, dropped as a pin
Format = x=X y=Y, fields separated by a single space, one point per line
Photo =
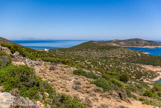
x=97 y=49
x=91 y=74
x=131 y=43
x=3 y=40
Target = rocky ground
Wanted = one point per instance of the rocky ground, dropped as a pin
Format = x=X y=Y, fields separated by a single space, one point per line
x=61 y=77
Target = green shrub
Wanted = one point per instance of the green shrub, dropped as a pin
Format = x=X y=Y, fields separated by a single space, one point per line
x=141 y=99
x=148 y=93
x=5 y=59
x=124 y=77
x=106 y=76
x=116 y=82
x=86 y=74
x=103 y=84
x=23 y=78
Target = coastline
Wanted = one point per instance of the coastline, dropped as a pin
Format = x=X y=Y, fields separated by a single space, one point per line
x=144 y=46
x=156 y=69
x=158 y=78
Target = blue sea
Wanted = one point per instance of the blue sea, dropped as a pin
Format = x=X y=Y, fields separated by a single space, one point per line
x=49 y=44
x=151 y=51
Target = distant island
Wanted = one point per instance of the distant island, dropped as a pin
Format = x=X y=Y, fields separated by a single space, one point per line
x=136 y=42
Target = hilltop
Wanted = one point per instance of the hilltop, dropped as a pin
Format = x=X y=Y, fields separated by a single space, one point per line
x=136 y=42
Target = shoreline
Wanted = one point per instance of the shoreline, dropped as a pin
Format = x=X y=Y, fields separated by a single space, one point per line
x=156 y=69
x=158 y=78
x=152 y=47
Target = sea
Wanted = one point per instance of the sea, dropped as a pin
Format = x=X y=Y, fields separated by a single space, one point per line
x=50 y=44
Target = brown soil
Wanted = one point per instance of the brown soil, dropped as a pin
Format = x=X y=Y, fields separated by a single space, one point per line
x=64 y=81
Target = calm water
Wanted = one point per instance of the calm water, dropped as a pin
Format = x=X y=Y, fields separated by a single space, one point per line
x=48 y=44
x=151 y=51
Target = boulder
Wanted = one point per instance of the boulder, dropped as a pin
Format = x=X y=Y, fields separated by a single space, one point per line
x=7 y=100
x=5 y=50
x=16 y=54
x=76 y=87
x=123 y=96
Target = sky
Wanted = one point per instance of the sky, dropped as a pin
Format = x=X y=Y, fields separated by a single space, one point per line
x=80 y=19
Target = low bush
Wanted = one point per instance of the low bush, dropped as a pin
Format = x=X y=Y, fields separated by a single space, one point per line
x=103 y=84
x=86 y=74
x=23 y=78
x=148 y=93
x=116 y=82
x=124 y=77
x=5 y=59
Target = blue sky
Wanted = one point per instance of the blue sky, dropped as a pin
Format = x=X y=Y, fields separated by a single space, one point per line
x=80 y=19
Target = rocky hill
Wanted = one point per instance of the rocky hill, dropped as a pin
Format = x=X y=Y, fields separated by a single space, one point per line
x=89 y=75
x=131 y=43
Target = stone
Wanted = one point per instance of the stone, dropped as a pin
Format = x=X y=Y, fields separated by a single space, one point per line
x=121 y=106
x=6 y=99
x=77 y=82
x=87 y=101
x=1 y=89
x=92 y=94
x=16 y=54
x=15 y=92
x=103 y=106
x=53 y=63
x=76 y=87
x=40 y=104
x=105 y=95
x=52 y=68
x=123 y=96
x=5 y=50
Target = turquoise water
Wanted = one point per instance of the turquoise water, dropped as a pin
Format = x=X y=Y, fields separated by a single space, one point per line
x=48 y=44
x=151 y=51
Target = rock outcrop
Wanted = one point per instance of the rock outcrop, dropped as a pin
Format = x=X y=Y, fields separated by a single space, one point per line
x=7 y=100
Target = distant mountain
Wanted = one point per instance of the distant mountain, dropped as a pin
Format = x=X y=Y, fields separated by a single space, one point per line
x=136 y=42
